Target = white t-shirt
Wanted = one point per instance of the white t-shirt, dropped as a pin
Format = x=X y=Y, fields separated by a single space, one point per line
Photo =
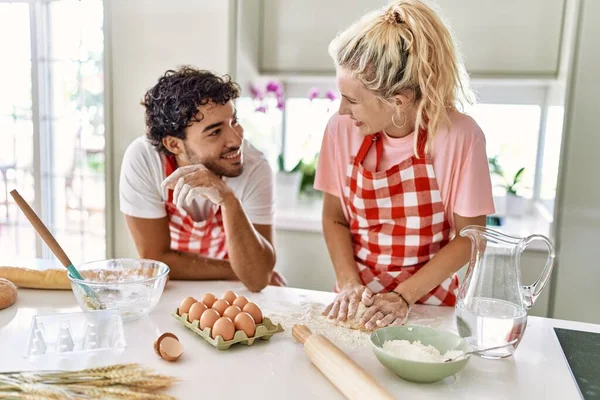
x=143 y=170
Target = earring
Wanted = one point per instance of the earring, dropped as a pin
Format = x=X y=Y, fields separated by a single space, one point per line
x=403 y=123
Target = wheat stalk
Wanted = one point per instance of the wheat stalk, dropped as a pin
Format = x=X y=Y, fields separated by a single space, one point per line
x=123 y=381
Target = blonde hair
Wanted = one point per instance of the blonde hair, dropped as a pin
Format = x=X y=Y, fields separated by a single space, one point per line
x=406 y=46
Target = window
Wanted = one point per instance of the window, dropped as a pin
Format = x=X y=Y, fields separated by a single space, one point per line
x=509 y=113
x=262 y=129
x=305 y=122
x=52 y=120
x=511 y=132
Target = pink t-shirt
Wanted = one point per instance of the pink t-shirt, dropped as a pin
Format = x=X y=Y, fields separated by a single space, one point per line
x=459 y=161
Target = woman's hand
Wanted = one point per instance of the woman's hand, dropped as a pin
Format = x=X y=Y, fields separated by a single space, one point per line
x=346 y=302
x=384 y=309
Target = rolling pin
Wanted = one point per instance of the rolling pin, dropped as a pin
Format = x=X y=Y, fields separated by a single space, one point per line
x=350 y=379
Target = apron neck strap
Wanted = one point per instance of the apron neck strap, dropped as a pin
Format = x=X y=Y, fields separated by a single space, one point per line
x=170 y=167
x=376 y=137
x=366 y=145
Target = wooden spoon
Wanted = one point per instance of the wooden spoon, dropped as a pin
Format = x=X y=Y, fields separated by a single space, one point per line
x=51 y=242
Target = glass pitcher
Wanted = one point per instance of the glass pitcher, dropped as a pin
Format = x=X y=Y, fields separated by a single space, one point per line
x=492 y=304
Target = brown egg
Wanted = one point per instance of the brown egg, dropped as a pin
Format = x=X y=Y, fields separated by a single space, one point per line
x=160 y=338
x=220 y=306
x=231 y=312
x=209 y=299
x=254 y=311
x=240 y=302
x=229 y=296
x=170 y=349
x=185 y=305
x=224 y=327
x=196 y=311
x=208 y=318
x=244 y=322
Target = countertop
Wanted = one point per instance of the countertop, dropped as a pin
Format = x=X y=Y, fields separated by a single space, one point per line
x=278 y=369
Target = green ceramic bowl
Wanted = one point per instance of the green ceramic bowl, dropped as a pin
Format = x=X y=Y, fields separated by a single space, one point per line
x=414 y=371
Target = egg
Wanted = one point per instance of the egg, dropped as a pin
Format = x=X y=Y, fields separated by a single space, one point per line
x=170 y=349
x=209 y=299
x=208 y=318
x=240 y=302
x=196 y=311
x=254 y=311
x=231 y=312
x=220 y=306
x=229 y=296
x=244 y=322
x=185 y=305
x=224 y=327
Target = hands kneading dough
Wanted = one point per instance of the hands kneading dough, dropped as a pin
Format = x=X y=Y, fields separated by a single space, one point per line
x=353 y=322
x=190 y=182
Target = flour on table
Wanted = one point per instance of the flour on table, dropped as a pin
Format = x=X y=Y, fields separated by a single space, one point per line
x=347 y=334
x=309 y=314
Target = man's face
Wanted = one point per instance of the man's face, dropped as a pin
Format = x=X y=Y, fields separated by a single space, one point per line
x=216 y=141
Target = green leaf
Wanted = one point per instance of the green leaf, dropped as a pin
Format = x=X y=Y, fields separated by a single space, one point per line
x=298 y=167
x=518 y=176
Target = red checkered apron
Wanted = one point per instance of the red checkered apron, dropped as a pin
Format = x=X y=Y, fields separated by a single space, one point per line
x=204 y=237
x=397 y=221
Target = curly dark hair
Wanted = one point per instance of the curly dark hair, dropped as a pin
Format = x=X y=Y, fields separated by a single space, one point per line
x=172 y=104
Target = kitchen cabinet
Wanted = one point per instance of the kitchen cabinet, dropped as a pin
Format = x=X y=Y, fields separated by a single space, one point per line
x=514 y=38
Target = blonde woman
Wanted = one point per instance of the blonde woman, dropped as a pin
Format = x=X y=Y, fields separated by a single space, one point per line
x=402 y=170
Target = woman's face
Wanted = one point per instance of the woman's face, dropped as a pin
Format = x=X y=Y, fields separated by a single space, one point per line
x=369 y=113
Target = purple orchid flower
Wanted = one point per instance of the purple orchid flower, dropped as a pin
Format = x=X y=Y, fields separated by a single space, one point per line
x=313 y=93
x=280 y=102
x=331 y=95
x=261 y=109
x=275 y=87
x=256 y=93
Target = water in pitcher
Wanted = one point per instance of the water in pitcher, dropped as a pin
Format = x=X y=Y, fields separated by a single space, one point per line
x=491 y=322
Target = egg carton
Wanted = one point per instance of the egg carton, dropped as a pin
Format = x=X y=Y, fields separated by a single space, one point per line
x=73 y=334
x=264 y=331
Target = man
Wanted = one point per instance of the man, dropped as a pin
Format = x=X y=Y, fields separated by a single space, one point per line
x=195 y=195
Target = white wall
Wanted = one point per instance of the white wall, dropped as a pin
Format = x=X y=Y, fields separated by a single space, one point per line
x=576 y=294
x=144 y=39
x=303 y=259
x=248 y=42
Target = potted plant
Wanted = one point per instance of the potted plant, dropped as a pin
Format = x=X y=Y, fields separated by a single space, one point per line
x=515 y=204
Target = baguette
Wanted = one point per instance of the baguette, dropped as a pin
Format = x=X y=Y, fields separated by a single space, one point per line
x=34 y=279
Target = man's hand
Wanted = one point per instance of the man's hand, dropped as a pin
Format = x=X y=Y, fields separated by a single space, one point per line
x=384 y=309
x=193 y=181
x=277 y=279
x=345 y=304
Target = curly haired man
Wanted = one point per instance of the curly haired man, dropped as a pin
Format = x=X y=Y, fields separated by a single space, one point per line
x=196 y=195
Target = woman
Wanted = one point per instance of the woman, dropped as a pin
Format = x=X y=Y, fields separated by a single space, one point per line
x=402 y=170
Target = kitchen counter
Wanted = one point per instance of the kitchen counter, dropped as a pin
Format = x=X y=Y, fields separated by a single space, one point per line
x=278 y=369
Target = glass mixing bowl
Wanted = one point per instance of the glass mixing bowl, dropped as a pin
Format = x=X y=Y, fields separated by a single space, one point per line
x=131 y=286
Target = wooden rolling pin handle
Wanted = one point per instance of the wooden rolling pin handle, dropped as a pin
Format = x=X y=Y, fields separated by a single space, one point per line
x=354 y=382
x=41 y=229
x=301 y=333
